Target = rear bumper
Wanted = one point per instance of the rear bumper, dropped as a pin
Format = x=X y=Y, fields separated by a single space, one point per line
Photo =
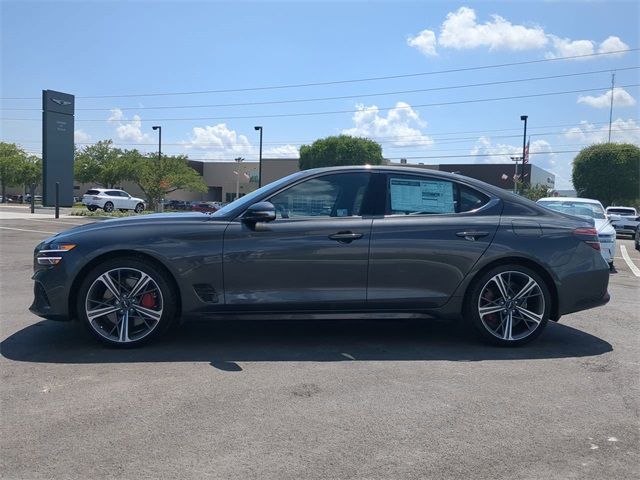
x=582 y=290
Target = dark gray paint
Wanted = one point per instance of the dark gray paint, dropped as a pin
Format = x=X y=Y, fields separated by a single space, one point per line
x=409 y=263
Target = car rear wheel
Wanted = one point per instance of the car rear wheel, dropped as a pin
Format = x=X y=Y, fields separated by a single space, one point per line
x=108 y=207
x=509 y=305
x=92 y=208
x=139 y=208
x=126 y=302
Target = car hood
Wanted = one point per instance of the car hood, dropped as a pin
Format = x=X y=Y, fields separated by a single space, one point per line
x=604 y=226
x=158 y=219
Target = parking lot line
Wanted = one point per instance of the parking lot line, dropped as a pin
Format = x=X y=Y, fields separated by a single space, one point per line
x=627 y=259
x=27 y=230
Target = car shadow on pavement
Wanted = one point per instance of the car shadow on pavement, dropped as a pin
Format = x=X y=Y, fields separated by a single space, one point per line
x=225 y=343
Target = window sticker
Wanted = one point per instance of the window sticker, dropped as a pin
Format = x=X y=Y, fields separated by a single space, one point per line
x=427 y=196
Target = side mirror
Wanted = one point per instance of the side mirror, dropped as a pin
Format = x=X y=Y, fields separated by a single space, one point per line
x=260 y=212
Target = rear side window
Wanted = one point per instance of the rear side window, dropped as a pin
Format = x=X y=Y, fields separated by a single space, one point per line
x=93 y=192
x=412 y=195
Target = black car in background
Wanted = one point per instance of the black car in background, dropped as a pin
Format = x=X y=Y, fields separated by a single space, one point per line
x=351 y=240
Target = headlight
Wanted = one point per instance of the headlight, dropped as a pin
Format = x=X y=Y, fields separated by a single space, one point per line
x=52 y=254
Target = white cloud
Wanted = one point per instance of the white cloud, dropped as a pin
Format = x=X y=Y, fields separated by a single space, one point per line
x=623 y=131
x=564 y=47
x=621 y=98
x=220 y=141
x=282 y=151
x=80 y=136
x=613 y=44
x=400 y=127
x=425 y=42
x=128 y=130
x=460 y=30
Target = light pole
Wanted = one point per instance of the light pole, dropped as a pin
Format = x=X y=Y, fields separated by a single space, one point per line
x=238 y=160
x=515 y=174
x=260 y=157
x=159 y=128
x=524 y=145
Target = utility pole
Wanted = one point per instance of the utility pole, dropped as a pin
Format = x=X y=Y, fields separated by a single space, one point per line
x=613 y=83
x=524 y=146
x=238 y=160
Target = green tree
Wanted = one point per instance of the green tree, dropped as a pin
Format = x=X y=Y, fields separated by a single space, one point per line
x=12 y=159
x=535 y=192
x=608 y=172
x=159 y=178
x=31 y=172
x=101 y=163
x=340 y=150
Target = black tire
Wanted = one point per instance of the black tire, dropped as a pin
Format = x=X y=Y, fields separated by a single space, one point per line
x=92 y=208
x=472 y=304
x=108 y=207
x=139 y=208
x=168 y=299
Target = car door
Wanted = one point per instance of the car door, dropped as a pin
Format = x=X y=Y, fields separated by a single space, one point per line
x=126 y=201
x=313 y=256
x=113 y=196
x=432 y=232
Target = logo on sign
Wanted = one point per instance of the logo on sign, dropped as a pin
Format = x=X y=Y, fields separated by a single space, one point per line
x=64 y=103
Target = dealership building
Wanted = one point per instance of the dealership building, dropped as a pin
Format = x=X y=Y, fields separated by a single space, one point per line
x=223 y=177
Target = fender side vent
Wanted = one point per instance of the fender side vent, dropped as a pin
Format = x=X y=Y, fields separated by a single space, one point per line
x=206 y=292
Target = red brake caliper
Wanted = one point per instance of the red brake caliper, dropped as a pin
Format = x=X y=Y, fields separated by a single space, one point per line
x=148 y=300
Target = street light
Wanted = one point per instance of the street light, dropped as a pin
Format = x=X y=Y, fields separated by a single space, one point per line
x=524 y=144
x=159 y=128
x=260 y=157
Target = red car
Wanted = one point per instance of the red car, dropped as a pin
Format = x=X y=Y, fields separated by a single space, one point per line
x=205 y=207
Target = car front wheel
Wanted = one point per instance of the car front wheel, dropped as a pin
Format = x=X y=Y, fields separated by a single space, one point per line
x=139 y=208
x=509 y=305
x=126 y=302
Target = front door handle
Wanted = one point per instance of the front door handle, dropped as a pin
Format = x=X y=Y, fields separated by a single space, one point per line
x=472 y=236
x=345 y=237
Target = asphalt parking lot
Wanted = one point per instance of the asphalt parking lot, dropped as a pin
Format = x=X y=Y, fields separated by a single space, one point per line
x=339 y=400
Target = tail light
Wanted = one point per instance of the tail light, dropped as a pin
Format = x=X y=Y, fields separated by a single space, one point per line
x=588 y=236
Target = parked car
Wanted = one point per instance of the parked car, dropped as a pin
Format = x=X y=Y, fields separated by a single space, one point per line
x=637 y=239
x=346 y=240
x=624 y=219
x=593 y=210
x=110 y=199
x=205 y=207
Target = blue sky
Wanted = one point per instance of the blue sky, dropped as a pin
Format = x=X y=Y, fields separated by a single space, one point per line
x=131 y=48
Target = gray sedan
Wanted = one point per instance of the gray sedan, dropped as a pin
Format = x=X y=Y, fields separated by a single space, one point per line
x=337 y=241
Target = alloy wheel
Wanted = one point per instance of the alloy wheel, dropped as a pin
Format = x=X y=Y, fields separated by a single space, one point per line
x=511 y=305
x=108 y=207
x=124 y=305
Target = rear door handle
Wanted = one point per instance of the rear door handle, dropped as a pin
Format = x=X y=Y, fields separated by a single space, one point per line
x=472 y=236
x=345 y=237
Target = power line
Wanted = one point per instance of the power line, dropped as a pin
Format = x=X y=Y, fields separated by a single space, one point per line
x=334 y=112
x=356 y=80
x=391 y=138
x=343 y=97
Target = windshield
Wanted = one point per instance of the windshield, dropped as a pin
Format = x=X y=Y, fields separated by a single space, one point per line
x=244 y=202
x=580 y=209
x=622 y=211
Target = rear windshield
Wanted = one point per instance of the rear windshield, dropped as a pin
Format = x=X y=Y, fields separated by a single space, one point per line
x=93 y=192
x=580 y=209
x=622 y=211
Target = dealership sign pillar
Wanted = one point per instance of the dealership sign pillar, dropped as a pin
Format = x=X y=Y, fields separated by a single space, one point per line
x=57 y=147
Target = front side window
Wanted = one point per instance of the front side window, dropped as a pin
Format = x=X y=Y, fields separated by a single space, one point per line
x=338 y=195
x=410 y=195
x=112 y=193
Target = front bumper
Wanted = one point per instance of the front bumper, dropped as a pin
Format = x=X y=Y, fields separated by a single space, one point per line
x=50 y=294
x=625 y=230
x=608 y=251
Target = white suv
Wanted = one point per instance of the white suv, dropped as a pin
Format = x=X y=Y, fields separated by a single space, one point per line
x=110 y=199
